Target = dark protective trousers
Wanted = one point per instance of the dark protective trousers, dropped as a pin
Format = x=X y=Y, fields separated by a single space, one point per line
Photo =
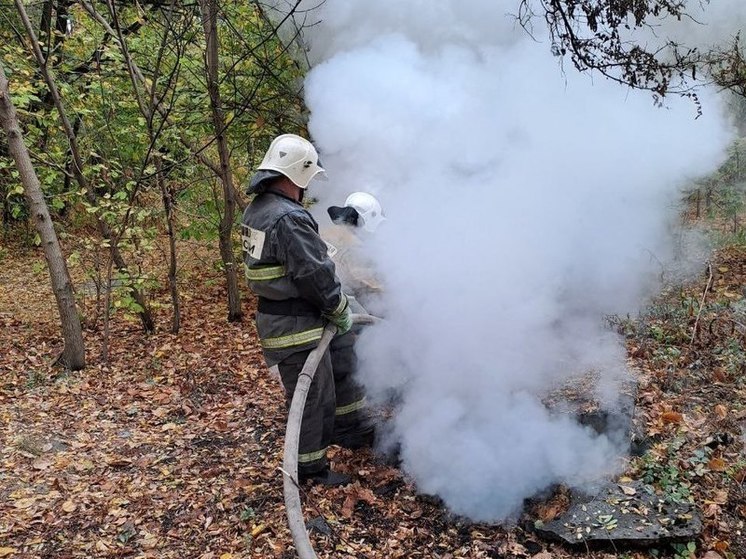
x=334 y=411
x=317 y=427
x=352 y=426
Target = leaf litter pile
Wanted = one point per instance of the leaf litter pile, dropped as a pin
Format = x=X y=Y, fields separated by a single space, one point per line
x=172 y=448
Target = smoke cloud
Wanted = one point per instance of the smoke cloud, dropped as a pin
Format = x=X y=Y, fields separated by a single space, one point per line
x=710 y=24
x=523 y=205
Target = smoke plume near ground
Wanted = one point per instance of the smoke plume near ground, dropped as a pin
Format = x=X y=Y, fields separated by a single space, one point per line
x=523 y=205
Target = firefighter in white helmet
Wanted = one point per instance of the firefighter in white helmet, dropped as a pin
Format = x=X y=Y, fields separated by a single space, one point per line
x=361 y=215
x=360 y=210
x=288 y=267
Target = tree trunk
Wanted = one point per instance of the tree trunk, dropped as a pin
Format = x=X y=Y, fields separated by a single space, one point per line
x=51 y=44
x=145 y=315
x=209 y=10
x=4 y=191
x=107 y=313
x=45 y=26
x=73 y=356
x=168 y=206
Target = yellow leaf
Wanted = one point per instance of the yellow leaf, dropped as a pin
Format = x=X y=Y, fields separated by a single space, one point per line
x=226 y=556
x=723 y=269
x=5 y=551
x=258 y=530
x=69 y=506
x=24 y=503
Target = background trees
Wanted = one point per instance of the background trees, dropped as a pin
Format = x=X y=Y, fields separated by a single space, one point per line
x=142 y=119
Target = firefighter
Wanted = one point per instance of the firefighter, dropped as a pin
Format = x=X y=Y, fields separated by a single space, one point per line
x=361 y=211
x=360 y=215
x=287 y=266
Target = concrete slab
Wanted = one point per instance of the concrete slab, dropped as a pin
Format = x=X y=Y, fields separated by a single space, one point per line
x=623 y=515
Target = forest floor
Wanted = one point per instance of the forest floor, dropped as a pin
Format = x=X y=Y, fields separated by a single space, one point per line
x=171 y=448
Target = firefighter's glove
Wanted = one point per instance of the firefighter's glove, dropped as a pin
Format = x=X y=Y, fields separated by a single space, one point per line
x=342 y=319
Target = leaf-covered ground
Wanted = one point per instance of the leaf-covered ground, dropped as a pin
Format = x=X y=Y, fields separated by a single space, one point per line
x=172 y=448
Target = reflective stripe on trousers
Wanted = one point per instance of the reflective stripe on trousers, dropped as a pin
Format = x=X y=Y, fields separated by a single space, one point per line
x=312 y=456
x=317 y=426
x=349 y=408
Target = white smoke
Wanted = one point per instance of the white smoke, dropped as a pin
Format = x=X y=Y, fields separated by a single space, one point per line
x=523 y=204
x=708 y=24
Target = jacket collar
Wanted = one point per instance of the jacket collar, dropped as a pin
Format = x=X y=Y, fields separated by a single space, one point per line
x=281 y=195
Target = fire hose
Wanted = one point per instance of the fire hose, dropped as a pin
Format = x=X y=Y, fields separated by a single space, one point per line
x=292 y=438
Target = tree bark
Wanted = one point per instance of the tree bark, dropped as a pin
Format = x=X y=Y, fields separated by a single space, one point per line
x=73 y=355
x=45 y=26
x=209 y=10
x=168 y=206
x=145 y=315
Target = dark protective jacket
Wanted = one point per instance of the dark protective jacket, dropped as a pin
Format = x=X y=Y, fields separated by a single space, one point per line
x=288 y=268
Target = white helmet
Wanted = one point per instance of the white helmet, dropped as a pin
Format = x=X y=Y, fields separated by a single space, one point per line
x=294 y=157
x=368 y=208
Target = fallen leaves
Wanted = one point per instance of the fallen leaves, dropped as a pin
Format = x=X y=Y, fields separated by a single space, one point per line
x=69 y=506
x=719 y=497
x=720 y=546
x=168 y=454
x=721 y=412
x=149 y=541
x=672 y=417
x=25 y=503
x=552 y=508
x=118 y=462
x=113 y=461
x=42 y=463
x=354 y=494
x=257 y=530
x=161 y=412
